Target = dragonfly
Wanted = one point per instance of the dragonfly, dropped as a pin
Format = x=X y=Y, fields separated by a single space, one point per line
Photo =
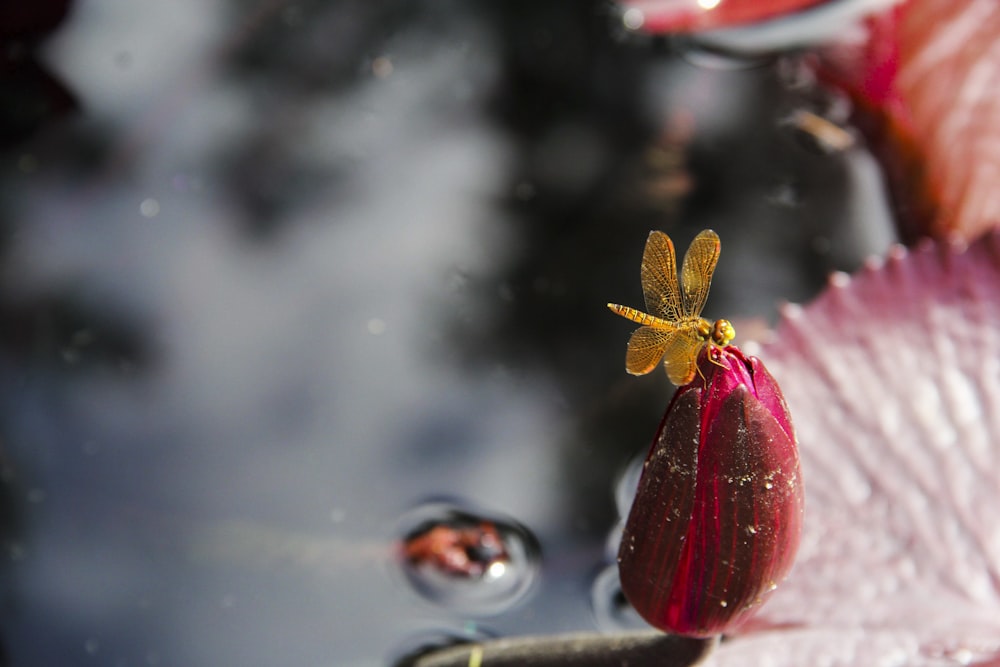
x=673 y=330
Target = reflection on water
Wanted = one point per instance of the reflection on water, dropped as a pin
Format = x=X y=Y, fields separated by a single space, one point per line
x=293 y=267
x=466 y=560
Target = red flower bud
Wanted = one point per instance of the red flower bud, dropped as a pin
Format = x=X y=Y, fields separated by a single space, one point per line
x=716 y=520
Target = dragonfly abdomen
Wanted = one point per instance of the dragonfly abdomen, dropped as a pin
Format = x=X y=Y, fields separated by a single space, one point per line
x=640 y=317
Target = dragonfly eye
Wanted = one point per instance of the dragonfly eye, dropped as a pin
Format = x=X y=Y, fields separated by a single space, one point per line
x=723 y=332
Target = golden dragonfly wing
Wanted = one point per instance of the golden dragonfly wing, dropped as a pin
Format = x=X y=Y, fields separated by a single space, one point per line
x=659 y=278
x=696 y=273
x=681 y=355
x=645 y=349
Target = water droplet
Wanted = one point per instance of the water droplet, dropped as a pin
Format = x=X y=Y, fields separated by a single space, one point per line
x=633 y=18
x=612 y=611
x=467 y=559
x=149 y=208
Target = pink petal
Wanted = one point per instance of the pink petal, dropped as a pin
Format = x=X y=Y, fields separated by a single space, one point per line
x=893 y=379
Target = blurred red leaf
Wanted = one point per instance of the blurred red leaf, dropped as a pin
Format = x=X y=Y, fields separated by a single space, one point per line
x=924 y=77
x=893 y=380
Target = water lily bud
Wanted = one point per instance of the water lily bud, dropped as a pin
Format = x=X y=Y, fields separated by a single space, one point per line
x=716 y=520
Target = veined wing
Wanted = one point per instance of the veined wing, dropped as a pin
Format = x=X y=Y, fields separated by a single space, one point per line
x=659 y=278
x=645 y=349
x=681 y=355
x=696 y=274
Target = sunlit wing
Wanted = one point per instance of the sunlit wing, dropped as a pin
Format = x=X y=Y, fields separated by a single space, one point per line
x=696 y=274
x=645 y=349
x=659 y=278
x=681 y=355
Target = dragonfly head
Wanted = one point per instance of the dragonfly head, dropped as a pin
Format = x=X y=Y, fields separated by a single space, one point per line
x=723 y=332
x=720 y=333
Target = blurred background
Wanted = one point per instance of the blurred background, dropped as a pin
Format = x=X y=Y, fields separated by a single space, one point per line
x=285 y=282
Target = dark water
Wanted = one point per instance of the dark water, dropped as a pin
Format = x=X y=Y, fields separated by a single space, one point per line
x=276 y=274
